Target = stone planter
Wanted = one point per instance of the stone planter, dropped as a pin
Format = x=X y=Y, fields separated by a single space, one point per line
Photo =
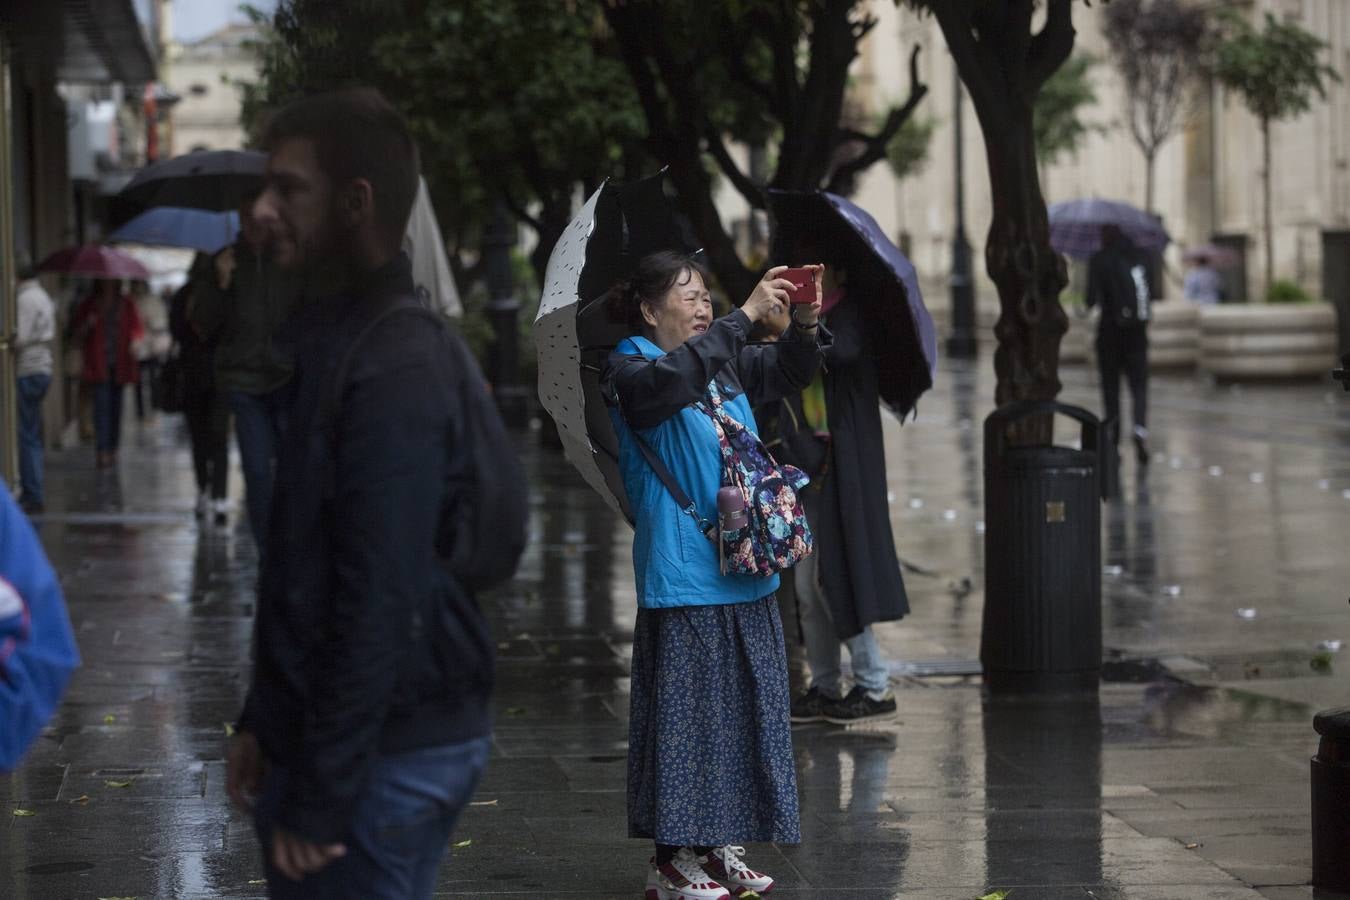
x=1276 y=340
x=1173 y=335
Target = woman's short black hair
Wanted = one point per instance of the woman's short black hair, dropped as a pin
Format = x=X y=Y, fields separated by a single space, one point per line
x=656 y=274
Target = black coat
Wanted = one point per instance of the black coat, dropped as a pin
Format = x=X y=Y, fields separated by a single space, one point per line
x=856 y=550
x=365 y=644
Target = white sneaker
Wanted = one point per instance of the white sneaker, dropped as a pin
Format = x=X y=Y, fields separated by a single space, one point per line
x=221 y=508
x=682 y=879
x=725 y=864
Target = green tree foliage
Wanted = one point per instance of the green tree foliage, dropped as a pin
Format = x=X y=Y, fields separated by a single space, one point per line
x=510 y=101
x=770 y=72
x=1058 y=110
x=1158 y=47
x=1277 y=72
x=908 y=150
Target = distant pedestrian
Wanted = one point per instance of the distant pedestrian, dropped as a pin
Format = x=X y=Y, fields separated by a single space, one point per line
x=108 y=326
x=832 y=431
x=241 y=311
x=37 y=647
x=33 y=345
x=1203 y=284
x=1118 y=283
x=152 y=348
x=710 y=763
x=207 y=413
x=366 y=726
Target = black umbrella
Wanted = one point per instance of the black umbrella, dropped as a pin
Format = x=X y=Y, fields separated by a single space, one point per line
x=880 y=278
x=619 y=224
x=215 y=180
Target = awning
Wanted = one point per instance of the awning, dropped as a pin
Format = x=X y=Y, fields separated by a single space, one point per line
x=94 y=41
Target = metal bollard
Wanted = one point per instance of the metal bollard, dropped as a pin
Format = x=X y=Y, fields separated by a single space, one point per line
x=1331 y=801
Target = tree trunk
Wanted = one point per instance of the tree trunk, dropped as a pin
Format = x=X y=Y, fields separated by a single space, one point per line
x=1029 y=274
x=1265 y=202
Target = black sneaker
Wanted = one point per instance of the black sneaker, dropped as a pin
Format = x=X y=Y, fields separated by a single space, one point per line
x=858 y=707
x=810 y=707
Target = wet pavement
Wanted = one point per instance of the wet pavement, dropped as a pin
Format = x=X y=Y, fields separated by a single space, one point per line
x=1187 y=777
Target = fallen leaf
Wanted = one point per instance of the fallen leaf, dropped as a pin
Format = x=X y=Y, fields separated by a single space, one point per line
x=1192 y=846
x=995 y=895
x=229 y=730
x=258 y=881
x=109 y=719
x=483 y=803
x=24 y=813
x=117 y=784
x=82 y=799
x=462 y=844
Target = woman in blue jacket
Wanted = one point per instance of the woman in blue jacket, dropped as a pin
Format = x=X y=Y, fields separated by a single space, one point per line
x=710 y=748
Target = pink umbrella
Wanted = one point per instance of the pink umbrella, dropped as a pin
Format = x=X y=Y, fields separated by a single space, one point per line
x=95 y=261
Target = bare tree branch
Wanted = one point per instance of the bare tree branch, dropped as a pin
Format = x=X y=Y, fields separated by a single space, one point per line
x=874 y=150
x=1052 y=46
x=753 y=193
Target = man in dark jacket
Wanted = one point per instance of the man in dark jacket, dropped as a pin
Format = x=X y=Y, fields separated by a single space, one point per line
x=366 y=725
x=1118 y=283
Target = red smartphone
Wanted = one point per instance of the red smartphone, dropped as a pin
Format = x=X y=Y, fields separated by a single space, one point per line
x=805 y=281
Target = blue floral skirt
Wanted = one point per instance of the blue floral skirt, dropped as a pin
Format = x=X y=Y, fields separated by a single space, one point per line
x=709 y=737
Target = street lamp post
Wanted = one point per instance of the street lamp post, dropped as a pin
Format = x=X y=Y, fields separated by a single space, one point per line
x=961 y=342
x=503 y=308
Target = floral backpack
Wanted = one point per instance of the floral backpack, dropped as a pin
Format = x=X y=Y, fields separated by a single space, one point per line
x=775 y=534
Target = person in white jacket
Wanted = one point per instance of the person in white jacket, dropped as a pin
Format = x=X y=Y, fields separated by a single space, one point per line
x=37 y=330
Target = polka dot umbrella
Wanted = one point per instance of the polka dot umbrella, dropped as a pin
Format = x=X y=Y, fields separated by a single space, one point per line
x=618 y=225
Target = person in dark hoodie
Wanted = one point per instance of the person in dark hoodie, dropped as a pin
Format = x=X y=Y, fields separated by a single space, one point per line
x=1118 y=283
x=240 y=312
x=366 y=725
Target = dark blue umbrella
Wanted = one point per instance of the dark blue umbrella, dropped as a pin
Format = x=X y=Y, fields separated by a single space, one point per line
x=173 y=226
x=1076 y=226
x=886 y=285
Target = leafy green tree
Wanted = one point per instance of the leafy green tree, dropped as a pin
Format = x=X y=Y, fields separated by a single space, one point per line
x=1005 y=62
x=1276 y=72
x=1058 y=110
x=511 y=101
x=768 y=72
x=1158 y=48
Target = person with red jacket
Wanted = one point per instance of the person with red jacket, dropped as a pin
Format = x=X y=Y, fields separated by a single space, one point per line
x=107 y=324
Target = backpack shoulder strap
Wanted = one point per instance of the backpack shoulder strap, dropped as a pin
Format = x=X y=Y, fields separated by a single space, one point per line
x=332 y=398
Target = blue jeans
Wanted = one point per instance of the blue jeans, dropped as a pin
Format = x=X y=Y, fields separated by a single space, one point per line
x=400 y=831
x=108 y=415
x=32 y=388
x=258 y=426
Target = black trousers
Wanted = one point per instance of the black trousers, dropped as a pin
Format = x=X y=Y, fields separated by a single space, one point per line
x=1124 y=350
x=208 y=419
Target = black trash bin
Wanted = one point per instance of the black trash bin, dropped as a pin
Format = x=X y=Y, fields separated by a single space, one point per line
x=1331 y=801
x=1042 y=548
